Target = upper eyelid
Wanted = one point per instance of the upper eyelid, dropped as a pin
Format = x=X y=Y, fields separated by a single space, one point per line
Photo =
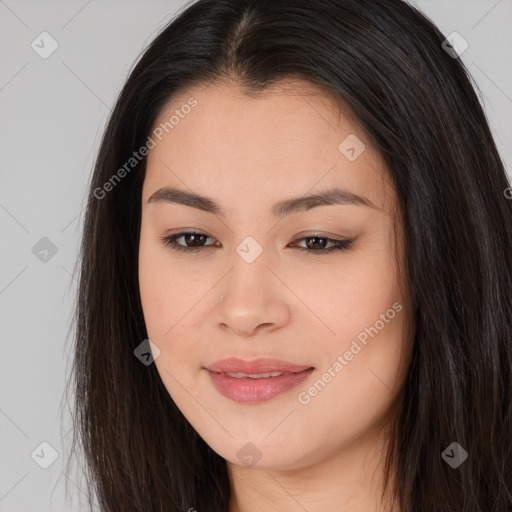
x=303 y=234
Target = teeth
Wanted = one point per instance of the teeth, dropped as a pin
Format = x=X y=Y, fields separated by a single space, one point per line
x=256 y=375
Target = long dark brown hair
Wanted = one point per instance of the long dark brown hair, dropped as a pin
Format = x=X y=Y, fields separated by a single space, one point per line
x=418 y=106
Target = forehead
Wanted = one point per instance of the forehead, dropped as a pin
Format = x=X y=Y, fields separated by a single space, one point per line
x=286 y=141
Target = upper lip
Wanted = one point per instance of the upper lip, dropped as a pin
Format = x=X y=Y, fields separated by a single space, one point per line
x=262 y=365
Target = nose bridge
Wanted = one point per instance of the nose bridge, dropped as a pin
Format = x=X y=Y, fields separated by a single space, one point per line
x=249 y=265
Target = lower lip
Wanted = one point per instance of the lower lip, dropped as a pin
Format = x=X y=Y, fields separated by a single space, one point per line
x=249 y=390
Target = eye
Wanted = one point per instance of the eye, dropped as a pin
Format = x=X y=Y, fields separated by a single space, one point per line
x=197 y=239
x=190 y=237
x=315 y=240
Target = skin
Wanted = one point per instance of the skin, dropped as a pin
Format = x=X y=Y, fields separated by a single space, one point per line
x=247 y=154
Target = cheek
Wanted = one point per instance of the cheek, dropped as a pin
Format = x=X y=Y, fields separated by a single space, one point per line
x=158 y=285
x=363 y=307
x=356 y=292
x=163 y=308
x=152 y=286
x=168 y=295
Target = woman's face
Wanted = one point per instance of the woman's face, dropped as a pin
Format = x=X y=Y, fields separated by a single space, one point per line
x=251 y=290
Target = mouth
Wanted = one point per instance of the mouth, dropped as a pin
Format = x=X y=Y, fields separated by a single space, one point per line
x=256 y=381
x=257 y=375
x=256 y=367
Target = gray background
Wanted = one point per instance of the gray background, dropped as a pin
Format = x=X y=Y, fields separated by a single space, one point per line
x=53 y=114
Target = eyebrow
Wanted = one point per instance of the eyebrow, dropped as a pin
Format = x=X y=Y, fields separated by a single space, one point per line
x=332 y=196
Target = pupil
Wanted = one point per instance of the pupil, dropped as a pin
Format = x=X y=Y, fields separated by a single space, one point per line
x=191 y=236
x=315 y=240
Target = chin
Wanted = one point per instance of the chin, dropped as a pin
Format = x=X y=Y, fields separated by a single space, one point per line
x=264 y=455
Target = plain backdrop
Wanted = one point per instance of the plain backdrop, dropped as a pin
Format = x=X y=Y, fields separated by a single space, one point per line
x=54 y=110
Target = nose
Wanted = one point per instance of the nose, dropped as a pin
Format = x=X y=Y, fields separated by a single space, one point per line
x=252 y=299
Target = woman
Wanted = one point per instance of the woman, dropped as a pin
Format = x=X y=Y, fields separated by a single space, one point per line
x=295 y=287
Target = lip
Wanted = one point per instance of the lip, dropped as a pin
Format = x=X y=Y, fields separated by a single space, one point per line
x=251 y=390
x=261 y=365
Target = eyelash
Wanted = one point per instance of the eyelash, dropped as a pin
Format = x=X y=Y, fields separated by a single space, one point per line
x=339 y=244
